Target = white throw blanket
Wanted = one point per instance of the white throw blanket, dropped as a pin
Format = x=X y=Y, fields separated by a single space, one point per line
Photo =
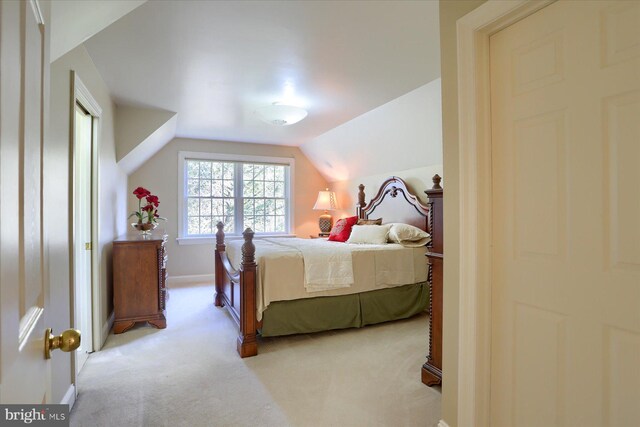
x=325 y=266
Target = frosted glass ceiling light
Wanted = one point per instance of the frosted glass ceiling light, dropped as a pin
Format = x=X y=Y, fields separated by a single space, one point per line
x=280 y=114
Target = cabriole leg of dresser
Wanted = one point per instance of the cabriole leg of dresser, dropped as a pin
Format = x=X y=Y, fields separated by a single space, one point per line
x=159 y=323
x=120 y=326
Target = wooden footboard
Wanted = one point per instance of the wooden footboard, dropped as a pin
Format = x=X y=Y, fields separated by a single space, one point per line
x=236 y=290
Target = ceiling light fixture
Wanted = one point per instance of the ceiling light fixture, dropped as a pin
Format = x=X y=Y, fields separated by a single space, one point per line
x=281 y=114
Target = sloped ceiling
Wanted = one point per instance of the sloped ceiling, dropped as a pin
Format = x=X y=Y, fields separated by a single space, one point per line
x=140 y=133
x=216 y=62
x=405 y=133
x=73 y=22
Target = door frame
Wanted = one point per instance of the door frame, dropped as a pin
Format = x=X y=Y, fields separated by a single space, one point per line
x=81 y=95
x=474 y=125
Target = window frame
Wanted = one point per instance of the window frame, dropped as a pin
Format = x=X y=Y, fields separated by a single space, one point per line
x=183 y=156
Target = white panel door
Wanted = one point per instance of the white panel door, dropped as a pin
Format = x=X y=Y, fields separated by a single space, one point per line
x=565 y=89
x=24 y=373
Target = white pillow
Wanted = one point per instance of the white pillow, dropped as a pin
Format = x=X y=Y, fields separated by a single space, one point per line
x=408 y=235
x=372 y=234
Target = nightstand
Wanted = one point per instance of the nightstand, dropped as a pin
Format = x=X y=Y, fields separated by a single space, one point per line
x=318 y=236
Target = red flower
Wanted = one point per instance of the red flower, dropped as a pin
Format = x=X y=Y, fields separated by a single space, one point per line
x=153 y=200
x=148 y=208
x=141 y=193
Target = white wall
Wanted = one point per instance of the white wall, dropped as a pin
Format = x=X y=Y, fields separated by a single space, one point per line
x=160 y=175
x=403 y=134
x=134 y=125
x=401 y=138
x=112 y=199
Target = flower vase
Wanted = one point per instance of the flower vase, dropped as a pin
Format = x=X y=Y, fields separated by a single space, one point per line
x=144 y=228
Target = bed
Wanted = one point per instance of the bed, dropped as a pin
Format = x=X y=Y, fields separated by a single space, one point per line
x=260 y=301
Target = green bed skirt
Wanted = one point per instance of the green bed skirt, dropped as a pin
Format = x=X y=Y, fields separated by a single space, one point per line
x=346 y=311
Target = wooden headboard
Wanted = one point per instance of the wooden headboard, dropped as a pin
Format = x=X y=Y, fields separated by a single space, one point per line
x=395 y=202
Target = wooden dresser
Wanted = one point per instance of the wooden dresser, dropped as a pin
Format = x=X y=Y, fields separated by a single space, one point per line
x=139 y=281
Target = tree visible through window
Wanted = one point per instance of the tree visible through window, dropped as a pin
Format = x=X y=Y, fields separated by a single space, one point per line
x=238 y=194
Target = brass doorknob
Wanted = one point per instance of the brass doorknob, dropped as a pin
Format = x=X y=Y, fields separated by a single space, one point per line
x=69 y=340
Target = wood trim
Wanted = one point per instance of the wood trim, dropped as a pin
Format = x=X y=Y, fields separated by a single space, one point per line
x=106 y=327
x=80 y=93
x=83 y=95
x=69 y=397
x=37 y=12
x=474 y=333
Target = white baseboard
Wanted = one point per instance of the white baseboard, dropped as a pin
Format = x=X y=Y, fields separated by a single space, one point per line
x=69 y=397
x=177 y=281
x=106 y=327
x=442 y=424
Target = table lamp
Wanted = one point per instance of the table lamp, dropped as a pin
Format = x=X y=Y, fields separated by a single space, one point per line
x=326 y=202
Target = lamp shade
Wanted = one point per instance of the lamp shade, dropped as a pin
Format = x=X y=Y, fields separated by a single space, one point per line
x=326 y=201
x=281 y=114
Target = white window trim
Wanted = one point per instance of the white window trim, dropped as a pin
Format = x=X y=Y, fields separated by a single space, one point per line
x=183 y=239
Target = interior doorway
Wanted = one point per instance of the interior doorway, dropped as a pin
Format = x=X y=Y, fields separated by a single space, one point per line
x=82 y=196
x=85 y=120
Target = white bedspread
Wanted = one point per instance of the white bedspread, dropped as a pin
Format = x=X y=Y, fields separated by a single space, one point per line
x=325 y=266
x=282 y=269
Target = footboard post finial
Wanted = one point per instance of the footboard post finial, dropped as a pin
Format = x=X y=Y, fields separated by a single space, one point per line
x=248 y=249
x=220 y=235
x=219 y=269
x=247 y=342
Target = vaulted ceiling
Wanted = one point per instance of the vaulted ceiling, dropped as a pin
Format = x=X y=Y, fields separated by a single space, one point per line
x=215 y=62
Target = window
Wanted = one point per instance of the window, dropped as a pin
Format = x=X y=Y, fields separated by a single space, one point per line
x=210 y=196
x=263 y=195
x=239 y=191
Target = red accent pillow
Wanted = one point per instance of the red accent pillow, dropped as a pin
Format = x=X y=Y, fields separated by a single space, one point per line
x=342 y=229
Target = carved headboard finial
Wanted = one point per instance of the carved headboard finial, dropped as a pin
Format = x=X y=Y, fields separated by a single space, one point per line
x=361 y=201
x=436 y=182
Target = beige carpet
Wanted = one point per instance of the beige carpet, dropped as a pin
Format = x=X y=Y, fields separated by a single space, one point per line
x=189 y=374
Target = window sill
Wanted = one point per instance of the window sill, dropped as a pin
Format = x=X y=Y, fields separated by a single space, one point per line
x=185 y=241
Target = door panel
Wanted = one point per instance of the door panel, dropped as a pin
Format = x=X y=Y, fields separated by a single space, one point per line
x=32 y=292
x=565 y=89
x=24 y=375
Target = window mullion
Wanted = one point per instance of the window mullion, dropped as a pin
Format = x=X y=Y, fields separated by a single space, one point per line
x=238 y=217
